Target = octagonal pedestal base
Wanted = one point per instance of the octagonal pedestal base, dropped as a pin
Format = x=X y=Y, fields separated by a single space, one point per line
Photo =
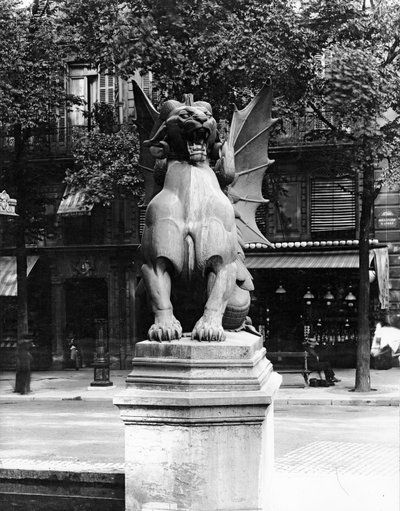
x=199 y=425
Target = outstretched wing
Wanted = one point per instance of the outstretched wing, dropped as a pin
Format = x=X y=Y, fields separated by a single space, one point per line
x=249 y=136
x=146 y=118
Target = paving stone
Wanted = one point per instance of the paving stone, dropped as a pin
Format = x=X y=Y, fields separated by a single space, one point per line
x=344 y=457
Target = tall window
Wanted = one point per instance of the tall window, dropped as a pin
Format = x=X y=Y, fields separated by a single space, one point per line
x=333 y=206
x=83 y=83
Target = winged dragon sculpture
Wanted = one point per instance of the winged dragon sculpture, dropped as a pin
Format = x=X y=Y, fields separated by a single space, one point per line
x=202 y=198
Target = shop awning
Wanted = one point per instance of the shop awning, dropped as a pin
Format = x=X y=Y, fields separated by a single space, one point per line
x=72 y=203
x=328 y=260
x=304 y=260
x=8 y=274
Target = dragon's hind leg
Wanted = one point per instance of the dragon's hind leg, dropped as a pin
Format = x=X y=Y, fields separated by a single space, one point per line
x=237 y=309
x=158 y=282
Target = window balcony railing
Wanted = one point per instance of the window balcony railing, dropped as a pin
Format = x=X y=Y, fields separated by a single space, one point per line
x=41 y=143
x=303 y=130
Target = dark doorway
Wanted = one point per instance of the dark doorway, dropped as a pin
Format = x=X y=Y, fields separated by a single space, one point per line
x=86 y=299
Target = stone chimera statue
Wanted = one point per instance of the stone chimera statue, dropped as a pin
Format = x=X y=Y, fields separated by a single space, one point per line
x=197 y=223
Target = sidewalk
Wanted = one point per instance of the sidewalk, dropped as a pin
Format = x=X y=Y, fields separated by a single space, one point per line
x=75 y=385
x=79 y=443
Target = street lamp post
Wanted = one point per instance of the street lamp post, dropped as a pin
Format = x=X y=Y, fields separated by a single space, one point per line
x=308 y=300
x=101 y=363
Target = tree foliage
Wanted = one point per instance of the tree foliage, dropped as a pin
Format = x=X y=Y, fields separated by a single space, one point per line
x=105 y=165
x=31 y=91
x=31 y=72
x=222 y=51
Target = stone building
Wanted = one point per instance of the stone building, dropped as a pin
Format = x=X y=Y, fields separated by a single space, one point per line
x=308 y=282
x=83 y=269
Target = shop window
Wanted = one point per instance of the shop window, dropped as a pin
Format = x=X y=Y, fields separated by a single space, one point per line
x=333 y=207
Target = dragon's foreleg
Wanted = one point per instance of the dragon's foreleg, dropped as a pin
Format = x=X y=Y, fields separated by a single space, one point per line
x=158 y=283
x=220 y=285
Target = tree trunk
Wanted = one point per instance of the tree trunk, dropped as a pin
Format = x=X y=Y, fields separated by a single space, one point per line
x=363 y=381
x=20 y=243
x=22 y=283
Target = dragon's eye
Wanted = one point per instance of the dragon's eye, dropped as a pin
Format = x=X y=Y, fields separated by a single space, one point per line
x=184 y=114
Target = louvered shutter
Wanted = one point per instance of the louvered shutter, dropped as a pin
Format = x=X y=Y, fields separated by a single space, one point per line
x=333 y=205
x=146 y=84
x=106 y=88
x=131 y=112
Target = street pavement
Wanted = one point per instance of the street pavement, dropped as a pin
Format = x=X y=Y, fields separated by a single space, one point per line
x=342 y=455
x=72 y=384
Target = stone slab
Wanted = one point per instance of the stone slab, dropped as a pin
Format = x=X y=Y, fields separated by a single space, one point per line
x=239 y=363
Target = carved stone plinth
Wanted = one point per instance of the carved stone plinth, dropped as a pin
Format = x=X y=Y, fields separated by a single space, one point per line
x=199 y=425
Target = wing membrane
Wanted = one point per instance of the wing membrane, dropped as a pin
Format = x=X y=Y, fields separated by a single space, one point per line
x=249 y=136
x=146 y=118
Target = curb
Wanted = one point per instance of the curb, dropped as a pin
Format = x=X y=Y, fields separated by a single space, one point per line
x=366 y=401
x=337 y=402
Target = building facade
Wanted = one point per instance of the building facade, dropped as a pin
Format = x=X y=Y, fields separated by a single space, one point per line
x=84 y=266
x=307 y=283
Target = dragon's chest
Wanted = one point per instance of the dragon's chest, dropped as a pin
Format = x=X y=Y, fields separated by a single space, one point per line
x=198 y=191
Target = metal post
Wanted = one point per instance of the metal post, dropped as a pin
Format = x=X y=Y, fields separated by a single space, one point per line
x=102 y=362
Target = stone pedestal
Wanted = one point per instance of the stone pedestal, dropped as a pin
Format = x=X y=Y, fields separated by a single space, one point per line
x=199 y=425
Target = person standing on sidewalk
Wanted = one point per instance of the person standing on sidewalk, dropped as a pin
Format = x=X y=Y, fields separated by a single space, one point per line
x=24 y=360
x=75 y=353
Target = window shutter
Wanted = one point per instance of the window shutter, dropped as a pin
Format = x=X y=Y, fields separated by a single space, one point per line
x=106 y=88
x=61 y=118
x=142 y=219
x=333 y=205
x=131 y=103
x=146 y=84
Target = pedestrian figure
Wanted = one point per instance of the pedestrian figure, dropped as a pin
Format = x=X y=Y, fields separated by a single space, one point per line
x=24 y=360
x=74 y=353
x=318 y=365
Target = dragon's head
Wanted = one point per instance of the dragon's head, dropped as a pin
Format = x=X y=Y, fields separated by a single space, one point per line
x=187 y=132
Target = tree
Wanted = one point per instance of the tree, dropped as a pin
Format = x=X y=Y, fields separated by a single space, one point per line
x=105 y=159
x=361 y=86
x=31 y=90
x=219 y=50
x=223 y=50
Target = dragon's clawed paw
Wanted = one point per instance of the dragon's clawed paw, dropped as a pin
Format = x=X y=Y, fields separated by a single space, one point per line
x=208 y=330
x=165 y=330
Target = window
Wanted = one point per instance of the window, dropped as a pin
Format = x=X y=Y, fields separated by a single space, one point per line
x=90 y=86
x=286 y=212
x=333 y=206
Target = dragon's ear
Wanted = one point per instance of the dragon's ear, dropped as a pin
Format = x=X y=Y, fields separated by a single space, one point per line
x=205 y=105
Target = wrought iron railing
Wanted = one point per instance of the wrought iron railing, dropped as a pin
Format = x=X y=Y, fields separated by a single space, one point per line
x=41 y=143
x=307 y=129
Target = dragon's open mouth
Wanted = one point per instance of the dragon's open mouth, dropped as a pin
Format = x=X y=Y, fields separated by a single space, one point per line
x=196 y=142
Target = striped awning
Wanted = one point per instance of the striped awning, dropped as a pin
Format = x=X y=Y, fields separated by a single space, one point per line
x=8 y=274
x=309 y=260
x=72 y=203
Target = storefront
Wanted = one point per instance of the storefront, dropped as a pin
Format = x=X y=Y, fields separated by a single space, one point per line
x=312 y=291
x=38 y=311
